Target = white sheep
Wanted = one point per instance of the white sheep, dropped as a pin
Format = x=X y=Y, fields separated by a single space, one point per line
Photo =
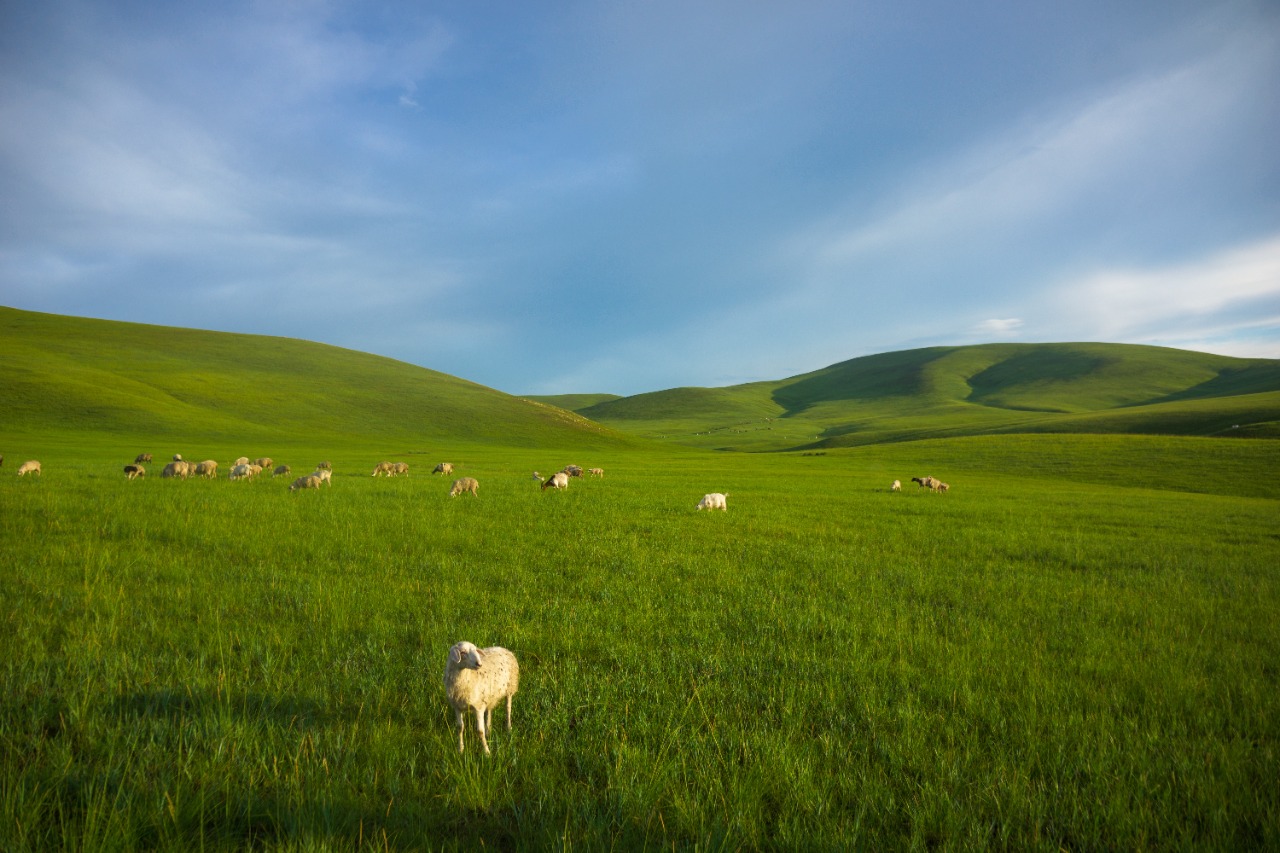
x=243 y=460
x=31 y=466
x=398 y=468
x=131 y=471
x=596 y=472
x=465 y=484
x=940 y=487
x=177 y=457
x=207 y=469
x=443 y=468
x=896 y=487
x=558 y=480
x=715 y=500
x=325 y=475
x=179 y=469
x=480 y=679
x=241 y=472
x=264 y=462
x=311 y=481
x=382 y=468
x=326 y=465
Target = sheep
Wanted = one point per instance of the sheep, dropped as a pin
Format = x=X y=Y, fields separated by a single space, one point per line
x=715 y=500
x=282 y=471
x=311 y=481
x=31 y=466
x=131 y=471
x=925 y=482
x=443 y=468
x=596 y=472
x=142 y=457
x=398 y=468
x=264 y=462
x=558 y=480
x=572 y=470
x=465 y=484
x=177 y=457
x=326 y=465
x=325 y=476
x=940 y=487
x=243 y=460
x=207 y=469
x=896 y=487
x=382 y=468
x=245 y=472
x=178 y=468
x=480 y=679
x=537 y=476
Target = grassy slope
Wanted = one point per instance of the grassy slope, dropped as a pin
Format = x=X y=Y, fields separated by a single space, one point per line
x=78 y=376
x=953 y=391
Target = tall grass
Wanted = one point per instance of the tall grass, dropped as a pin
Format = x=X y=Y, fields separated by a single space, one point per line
x=1027 y=662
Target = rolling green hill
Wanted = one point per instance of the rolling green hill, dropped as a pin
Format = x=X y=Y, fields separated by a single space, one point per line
x=73 y=375
x=955 y=391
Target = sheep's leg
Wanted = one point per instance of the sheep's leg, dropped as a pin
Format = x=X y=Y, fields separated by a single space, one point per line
x=480 y=715
x=508 y=713
x=462 y=724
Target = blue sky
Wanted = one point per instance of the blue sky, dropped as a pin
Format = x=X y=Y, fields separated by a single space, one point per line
x=624 y=197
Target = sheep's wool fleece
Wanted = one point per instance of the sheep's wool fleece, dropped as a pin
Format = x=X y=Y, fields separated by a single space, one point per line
x=497 y=678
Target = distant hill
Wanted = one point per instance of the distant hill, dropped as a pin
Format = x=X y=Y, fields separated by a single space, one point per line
x=69 y=374
x=972 y=390
x=572 y=402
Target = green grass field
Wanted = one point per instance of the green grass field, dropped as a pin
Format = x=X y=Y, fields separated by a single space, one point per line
x=1077 y=647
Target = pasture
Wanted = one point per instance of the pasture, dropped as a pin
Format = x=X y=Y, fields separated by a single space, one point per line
x=1055 y=655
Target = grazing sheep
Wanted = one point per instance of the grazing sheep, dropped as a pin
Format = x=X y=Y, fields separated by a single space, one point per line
x=596 y=472
x=175 y=469
x=311 y=481
x=465 y=484
x=142 y=457
x=572 y=470
x=715 y=500
x=537 y=476
x=559 y=480
x=940 y=487
x=243 y=460
x=282 y=470
x=31 y=466
x=480 y=679
x=177 y=457
x=131 y=471
x=443 y=468
x=925 y=482
x=325 y=475
x=244 y=471
x=264 y=462
x=207 y=469
x=382 y=468
x=325 y=465
x=398 y=468
x=896 y=487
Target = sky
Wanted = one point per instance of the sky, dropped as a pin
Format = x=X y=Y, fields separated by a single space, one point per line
x=608 y=196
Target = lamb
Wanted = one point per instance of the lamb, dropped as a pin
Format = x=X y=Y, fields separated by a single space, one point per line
x=443 y=468
x=311 y=481
x=142 y=457
x=282 y=470
x=596 y=472
x=31 y=466
x=398 y=468
x=558 y=480
x=480 y=679
x=207 y=469
x=715 y=500
x=896 y=487
x=131 y=471
x=465 y=484
x=382 y=468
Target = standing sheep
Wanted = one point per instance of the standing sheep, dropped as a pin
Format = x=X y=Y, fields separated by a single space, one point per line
x=382 y=468
x=398 y=468
x=480 y=679
x=558 y=480
x=443 y=468
x=465 y=484
x=131 y=471
x=179 y=469
x=325 y=465
x=207 y=469
x=325 y=475
x=596 y=472
x=896 y=487
x=715 y=500
x=282 y=471
x=31 y=466
x=142 y=457
x=243 y=460
x=264 y=462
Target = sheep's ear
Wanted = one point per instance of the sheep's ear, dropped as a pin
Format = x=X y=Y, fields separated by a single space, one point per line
x=455 y=654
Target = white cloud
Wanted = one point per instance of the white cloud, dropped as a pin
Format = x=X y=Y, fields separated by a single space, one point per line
x=997 y=328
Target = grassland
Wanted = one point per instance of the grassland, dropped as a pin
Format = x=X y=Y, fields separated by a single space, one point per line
x=1076 y=648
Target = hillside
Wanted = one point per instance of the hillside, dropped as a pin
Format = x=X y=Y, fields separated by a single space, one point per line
x=75 y=375
x=973 y=390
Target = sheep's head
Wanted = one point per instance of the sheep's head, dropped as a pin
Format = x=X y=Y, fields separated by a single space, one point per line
x=466 y=655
